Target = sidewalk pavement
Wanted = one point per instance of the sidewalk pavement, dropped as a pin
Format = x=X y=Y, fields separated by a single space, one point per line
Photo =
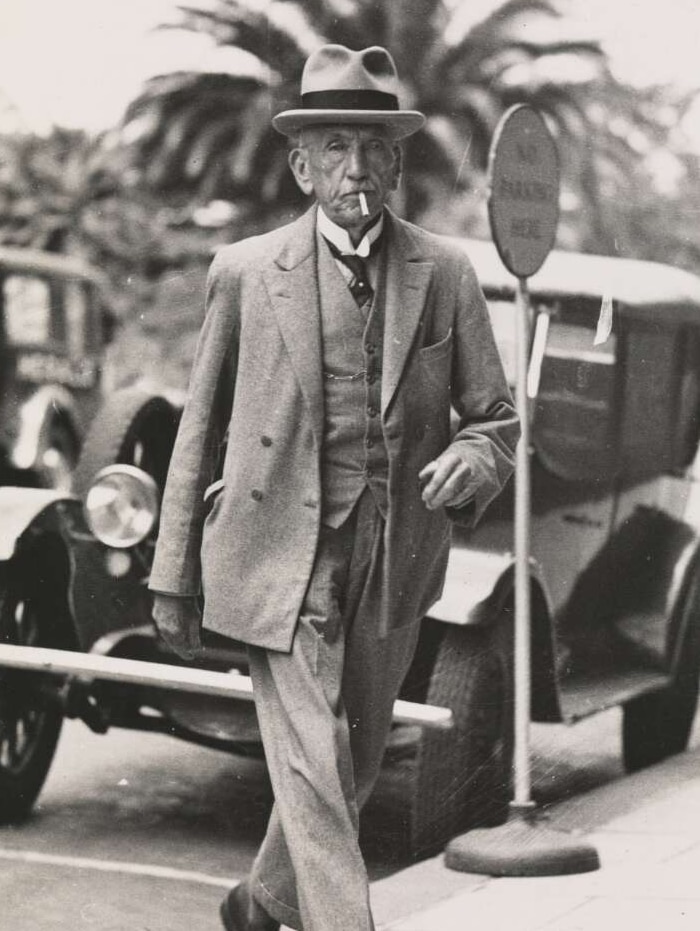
x=646 y=829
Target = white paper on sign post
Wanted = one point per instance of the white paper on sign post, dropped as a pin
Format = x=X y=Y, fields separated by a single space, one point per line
x=605 y=320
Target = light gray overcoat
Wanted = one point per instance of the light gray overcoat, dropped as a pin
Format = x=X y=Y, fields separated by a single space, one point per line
x=249 y=538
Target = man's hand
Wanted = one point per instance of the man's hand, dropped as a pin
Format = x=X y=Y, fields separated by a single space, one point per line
x=178 y=620
x=447 y=482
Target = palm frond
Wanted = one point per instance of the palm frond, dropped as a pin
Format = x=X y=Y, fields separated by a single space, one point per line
x=208 y=134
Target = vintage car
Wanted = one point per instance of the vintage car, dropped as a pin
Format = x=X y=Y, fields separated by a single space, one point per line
x=615 y=567
x=52 y=335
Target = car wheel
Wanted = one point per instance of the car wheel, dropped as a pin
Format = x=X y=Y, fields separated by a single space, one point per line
x=463 y=776
x=30 y=720
x=658 y=725
x=133 y=427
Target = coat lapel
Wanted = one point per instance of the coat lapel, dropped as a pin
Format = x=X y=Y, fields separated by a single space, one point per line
x=291 y=283
x=407 y=282
x=293 y=290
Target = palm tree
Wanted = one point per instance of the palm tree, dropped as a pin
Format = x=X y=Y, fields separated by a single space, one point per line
x=46 y=186
x=201 y=135
x=69 y=192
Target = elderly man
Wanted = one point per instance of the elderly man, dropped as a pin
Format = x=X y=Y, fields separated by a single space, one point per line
x=331 y=354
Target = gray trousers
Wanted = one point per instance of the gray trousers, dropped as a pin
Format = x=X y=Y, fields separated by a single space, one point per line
x=325 y=711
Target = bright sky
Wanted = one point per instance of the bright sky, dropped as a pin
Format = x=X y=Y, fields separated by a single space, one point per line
x=79 y=62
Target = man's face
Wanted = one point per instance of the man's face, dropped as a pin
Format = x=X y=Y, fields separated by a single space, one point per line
x=337 y=162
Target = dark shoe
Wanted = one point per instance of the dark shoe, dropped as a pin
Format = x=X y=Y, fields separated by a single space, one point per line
x=241 y=912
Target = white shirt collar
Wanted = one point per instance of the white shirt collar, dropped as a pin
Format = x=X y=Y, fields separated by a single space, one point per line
x=341 y=238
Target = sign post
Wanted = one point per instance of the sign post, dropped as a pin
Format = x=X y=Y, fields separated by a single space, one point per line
x=524 y=213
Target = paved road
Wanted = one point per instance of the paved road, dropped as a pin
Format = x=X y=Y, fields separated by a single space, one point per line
x=139 y=831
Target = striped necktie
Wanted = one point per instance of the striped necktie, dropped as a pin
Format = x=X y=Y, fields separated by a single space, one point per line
x=359 y=285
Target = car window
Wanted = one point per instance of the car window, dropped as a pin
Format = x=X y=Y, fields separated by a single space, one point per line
x=688 y=405
x=659 y=427
x=27 y=310
x=77 y=321
x=573 y=426
x=502 y=314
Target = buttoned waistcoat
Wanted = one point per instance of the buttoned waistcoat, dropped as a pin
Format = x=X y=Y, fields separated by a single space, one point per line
x=249 y=537
x=353 y=454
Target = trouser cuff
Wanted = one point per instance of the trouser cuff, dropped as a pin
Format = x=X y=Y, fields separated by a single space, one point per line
x=280 y=911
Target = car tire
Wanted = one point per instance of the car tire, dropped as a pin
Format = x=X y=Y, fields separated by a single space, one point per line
x=658 y=725
x=134 y=427
x=463 y=776
x=30 y=718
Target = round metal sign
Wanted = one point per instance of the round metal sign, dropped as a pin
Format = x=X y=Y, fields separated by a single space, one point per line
x=523 y=190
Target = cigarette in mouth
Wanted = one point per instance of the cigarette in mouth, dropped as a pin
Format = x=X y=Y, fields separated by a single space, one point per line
x=363 y=204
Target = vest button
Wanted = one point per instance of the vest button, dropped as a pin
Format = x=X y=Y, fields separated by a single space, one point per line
x=256 y=494
x=369 y=348
x=369 y=442
x=372 y=411
x=266 y=441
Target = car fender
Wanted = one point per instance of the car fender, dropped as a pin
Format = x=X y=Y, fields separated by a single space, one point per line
x=479 y=586
x=679 y=590
x=619 y=593
x=684 y=628
x=472 y=580
x=22 y=508
x=34 y=416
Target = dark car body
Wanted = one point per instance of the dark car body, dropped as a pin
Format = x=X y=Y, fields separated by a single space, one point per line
x=615 y=517
x=615 y=569
x=52 y=338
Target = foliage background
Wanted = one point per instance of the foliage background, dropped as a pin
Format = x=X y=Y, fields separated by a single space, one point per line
x=194 y=161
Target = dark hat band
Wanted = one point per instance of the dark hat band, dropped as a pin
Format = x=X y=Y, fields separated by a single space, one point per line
x=349 y=100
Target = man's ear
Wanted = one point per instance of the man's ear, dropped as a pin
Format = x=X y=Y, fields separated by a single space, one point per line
x=398 y=166
x=299 y=163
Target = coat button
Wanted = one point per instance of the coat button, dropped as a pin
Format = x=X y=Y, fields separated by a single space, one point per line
x=266 y=440
x=256 y=494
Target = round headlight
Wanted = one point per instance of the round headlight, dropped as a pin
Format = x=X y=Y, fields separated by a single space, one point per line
x=121 y=507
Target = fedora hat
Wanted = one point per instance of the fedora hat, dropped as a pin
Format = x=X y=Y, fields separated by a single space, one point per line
x=339 y=85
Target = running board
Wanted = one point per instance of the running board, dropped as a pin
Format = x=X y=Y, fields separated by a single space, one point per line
x=182 y=678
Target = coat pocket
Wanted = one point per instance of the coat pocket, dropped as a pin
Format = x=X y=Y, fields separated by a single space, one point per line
x=437 y=350
x=213 y=489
